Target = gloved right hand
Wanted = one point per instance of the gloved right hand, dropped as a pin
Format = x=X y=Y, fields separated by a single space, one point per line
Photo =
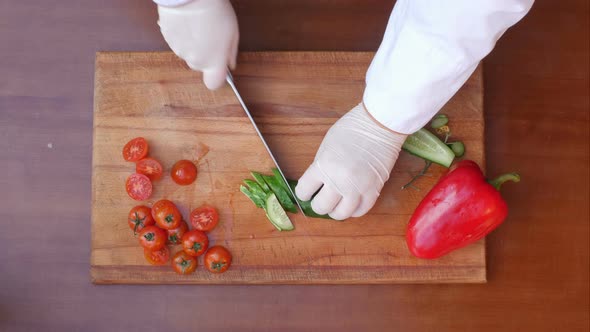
x=204 y=33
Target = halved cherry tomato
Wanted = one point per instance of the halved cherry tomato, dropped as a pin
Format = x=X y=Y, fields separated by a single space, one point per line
x=184 y=172
x=166 y=214
x=204 y=218
x=184 y=263
x=138 y=186
x=195 y=242
x=157 y=257
x=217 y=259
x=175 y=235
x=139 y=217
x=149 y=167
x=152 y=238
x=136 y=149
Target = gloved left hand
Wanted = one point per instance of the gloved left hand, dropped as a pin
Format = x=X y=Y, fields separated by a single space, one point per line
x=351 y=166
x=204 y=33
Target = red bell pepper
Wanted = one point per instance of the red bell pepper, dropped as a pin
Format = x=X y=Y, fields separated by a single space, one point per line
x=460 y=209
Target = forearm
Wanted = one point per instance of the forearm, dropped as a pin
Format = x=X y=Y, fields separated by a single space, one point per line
x=429 y=50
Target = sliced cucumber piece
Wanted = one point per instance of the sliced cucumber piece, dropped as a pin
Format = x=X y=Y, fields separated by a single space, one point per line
x=261 y=182
x=306 y=205
x=272 y=223
x=439 y=121
x=426 y=145
x=281 y=193
x=255 y=188
x=277 y=215
x=458 y=148
x=282 y=183
x=255 y=199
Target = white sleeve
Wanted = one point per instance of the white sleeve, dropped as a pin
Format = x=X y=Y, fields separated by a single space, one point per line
x=171 y=3
x=429 y=50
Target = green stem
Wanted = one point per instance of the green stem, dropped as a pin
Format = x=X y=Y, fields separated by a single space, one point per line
x=447 y=135
x=497 y=182
x=422 y=173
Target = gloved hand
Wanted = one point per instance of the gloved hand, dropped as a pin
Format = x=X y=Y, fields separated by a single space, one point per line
x=204 y=33
x=351 y=166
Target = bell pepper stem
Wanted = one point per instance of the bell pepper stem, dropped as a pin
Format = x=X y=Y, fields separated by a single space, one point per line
x=497 y=182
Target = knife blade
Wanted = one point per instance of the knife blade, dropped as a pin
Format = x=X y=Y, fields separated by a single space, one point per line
x=230 y=80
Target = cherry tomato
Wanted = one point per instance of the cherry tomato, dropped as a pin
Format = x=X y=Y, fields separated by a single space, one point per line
x=166 y=214
x=149 y=167
x=184 y=172
x=217 y=259
x=204 y=218
x=175 y=235
x=195 y=242
x=184 y=263
x=138 y=186
x=152 y=238
x=139 y=217
x=157 y=257
x=136 y=149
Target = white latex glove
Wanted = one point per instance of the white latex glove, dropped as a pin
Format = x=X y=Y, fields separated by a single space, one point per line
x=351 y=166
x=204 y=33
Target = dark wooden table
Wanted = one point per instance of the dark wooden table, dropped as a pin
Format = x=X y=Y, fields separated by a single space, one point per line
x=537 y=112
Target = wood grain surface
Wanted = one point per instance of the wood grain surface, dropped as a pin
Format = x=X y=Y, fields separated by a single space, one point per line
x=537 y=122
x=295 y=98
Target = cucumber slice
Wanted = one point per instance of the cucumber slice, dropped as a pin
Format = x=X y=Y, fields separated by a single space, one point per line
x=458 y=148
x=255 y=188
x=281 y=193
x=306 y=206
x=427 y=146
x=439 y=121
x=277 y=227
x=260 y=180
x=282 y=183
x=255 y=199
x=277 y=215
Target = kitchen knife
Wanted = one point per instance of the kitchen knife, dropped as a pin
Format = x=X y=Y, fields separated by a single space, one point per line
x=230 y=80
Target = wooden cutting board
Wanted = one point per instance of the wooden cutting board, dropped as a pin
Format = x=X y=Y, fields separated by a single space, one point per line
x=295 y=98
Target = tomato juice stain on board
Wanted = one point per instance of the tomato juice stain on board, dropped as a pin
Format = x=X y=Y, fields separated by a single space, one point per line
x=202 y=150
x=228 y=223
x=209 y=175
x=231 y=205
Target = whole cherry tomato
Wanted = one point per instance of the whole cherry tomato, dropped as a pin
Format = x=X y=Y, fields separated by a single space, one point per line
x=152 y=238
x=184 y=172
x=175 y=235
x=139 y=217
x=166 y=214
x=195 y=242
x=184 y=263
x=217 y=259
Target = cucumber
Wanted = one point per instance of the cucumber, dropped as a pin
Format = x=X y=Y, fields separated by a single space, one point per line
x=282 y=183
x=275 y=226
x=281 y=193
x=458 y=148
x=255 y=199
x=439 y=121
x=306 y=205
x=255 y=188
x=277 y=215
x=260 y=180
x=427 y=146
